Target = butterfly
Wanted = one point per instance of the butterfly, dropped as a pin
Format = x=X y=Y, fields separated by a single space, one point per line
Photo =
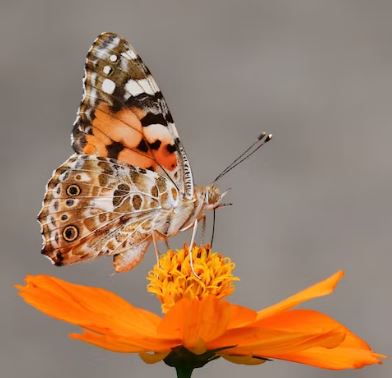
x=129 y=182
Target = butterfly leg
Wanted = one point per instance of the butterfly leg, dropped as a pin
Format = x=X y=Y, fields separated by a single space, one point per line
x=156 y=250
x=194 y=230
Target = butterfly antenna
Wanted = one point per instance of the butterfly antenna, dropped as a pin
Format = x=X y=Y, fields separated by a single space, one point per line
x=261 y=140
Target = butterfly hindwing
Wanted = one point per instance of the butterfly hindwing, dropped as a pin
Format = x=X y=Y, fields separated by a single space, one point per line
x=99 y=206
x=125 y=261
x=123 y=114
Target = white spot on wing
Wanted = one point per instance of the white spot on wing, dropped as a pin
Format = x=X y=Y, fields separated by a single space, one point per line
x=107 y=70
x=156 y=130
x=153 y=84
x=103 y=51
x=136 y=87
x=173 y=130
x=108 y=86
x=133 y=87
x=144 y=83
x=129 y=54
x=91 y=88
x=105 y=204
x=113 y=58
x=124 y=64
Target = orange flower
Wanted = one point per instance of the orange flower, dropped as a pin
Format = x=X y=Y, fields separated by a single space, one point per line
x=199 y=325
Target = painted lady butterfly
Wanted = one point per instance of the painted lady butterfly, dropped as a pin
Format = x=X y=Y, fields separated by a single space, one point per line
x=130 y=182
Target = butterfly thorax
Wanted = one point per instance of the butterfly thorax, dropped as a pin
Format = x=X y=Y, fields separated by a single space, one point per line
x=206 y=197
x=213 y=196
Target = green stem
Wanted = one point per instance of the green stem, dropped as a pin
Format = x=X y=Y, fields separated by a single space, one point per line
x=184 y=371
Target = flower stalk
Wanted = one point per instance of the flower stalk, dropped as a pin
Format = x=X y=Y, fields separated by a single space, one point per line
x=184 y=371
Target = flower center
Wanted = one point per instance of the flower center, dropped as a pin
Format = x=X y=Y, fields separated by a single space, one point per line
x=172 y=278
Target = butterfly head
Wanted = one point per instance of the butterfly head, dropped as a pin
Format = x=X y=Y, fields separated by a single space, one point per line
x=213 y=197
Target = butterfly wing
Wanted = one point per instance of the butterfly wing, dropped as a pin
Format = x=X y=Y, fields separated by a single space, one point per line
x=96 y=206
x=123 y=114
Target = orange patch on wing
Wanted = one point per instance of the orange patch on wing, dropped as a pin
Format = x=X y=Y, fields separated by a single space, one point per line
x=94 y=146
x=139 y=159
x=89 y=149
x=100 y=135
x=123 y=126
x=140 y=113
x=167 y=159
x=159 y=132
x=154 y=132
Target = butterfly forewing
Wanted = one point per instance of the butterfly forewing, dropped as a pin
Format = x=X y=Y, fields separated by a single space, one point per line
x=123 y=114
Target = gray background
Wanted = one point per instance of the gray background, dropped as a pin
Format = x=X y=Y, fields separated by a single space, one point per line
x=317 y=74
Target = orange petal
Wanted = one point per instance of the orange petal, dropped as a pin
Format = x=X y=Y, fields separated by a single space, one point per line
x=196 y=322
x=241 y=316
x=318 y=290
x=119 y=343
x=108 y=342
x=95 y=309
x=244 y=360
x=286 y=332
x=307 y=322
x=153 y=358
x=269 y=342
x=300 y=321
x=335 y=359
x=352 y=353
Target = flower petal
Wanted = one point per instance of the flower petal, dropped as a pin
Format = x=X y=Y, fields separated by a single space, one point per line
x=286 y=332
x=318 y=290
x=196 y=322
x=269 y=342
x=106 y=315
x=241 y=316
x=335 y=359
x=118 y=343
x=108 y=342
x=244 y=360
x=352 y=353
x=152 y=358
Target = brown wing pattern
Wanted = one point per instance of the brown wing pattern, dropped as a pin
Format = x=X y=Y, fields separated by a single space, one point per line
x=98 y=206
x=123 y=114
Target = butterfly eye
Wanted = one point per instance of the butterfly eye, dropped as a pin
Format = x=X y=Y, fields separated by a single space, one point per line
x=73 y=190
x=70 y=233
